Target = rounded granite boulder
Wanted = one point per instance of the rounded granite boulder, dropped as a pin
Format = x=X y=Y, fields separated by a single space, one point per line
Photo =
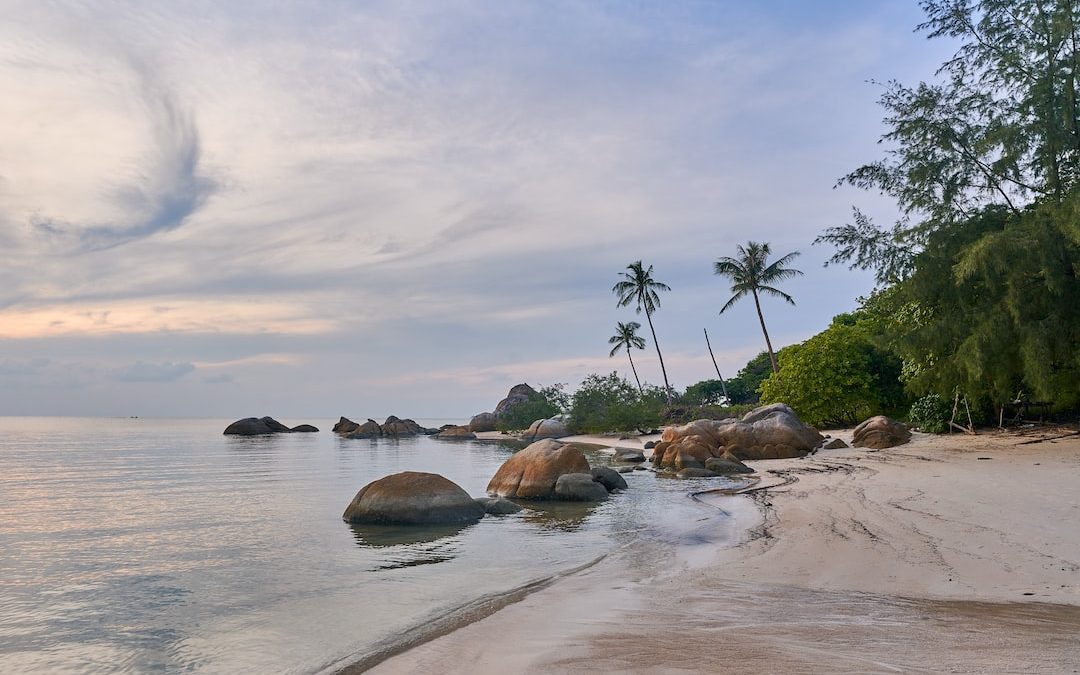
x=413 y=498
x=880 y=432
x=532 y=473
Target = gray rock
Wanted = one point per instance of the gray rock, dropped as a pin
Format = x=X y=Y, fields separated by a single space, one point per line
x=609 y=478
x=629 y=455
x=497 y=506
x=345 y=426
x=257 y=426
x=550 y=428
x=519 y=393
x=880 y=432
x=369 y=429
x=835 y=444
x=649 y=445
x=725 y=465
x=482 y=422
x=413 y=498
x=304 y=429
x=456 y=433
x=579 y=487
x=696 y=473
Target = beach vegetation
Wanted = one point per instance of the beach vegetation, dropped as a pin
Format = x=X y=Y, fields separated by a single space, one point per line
x=978 y=277
x=751 y=273
x=548 y=402
x=611 y=403
x=838 y=377
x=638 y=287
x=930 y=414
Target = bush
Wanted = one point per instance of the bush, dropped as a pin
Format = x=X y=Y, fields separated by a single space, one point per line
x=548 y=402
x=836 y=378
x=930 y=414
x=610 y=403
x=682 y=414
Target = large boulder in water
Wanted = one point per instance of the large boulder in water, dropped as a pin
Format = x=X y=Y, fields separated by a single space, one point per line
x=399 y=427
x=519 y=393
x=768 y=432
x=413 y=498
x=369 y=429
x=551 y=428
x=482 y=422
x=880 y=432
x=456 y=433
x=345 y=426
x=532 y=473
x=256 y=426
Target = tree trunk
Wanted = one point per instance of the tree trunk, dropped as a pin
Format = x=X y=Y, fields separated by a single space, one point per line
x=636 y=378
x=667 y=387
x=713 y=356
x=768 y=343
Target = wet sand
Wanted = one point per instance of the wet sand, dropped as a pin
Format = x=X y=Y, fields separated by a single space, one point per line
x=949 y=554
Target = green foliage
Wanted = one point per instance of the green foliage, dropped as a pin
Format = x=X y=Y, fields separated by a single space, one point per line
x=706 y=392
x=548 y=402
x=743 y=388
x=610 y=403
x=681 y=414
x=836 y=378
x=930 y=414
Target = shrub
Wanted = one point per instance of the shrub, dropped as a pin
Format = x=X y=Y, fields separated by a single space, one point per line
x=837 y=377
x=548 y=402
x=610 y=403
x=930 y=414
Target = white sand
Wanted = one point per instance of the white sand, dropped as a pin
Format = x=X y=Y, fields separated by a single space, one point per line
x=922 y=558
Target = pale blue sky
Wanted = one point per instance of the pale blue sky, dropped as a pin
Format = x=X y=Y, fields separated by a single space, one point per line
x=407 y=207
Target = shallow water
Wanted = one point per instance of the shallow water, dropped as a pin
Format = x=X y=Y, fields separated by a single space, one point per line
x=137 y=545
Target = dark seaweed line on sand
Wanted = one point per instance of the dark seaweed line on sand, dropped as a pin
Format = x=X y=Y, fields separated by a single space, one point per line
x=446 y=623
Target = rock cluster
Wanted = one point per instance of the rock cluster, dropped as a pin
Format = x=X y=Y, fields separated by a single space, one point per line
x=259 y=426
x=392 y=427
x=880 y=432
x=413 y=498
x=768 y=432
x=548 y=469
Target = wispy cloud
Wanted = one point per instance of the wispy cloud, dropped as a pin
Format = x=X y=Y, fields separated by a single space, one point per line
x=153 y=372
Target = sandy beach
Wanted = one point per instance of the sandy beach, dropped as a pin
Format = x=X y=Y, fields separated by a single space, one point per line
x=948 y=554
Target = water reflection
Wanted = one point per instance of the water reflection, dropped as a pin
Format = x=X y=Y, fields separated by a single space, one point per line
x=563 y=516
x=410 y=545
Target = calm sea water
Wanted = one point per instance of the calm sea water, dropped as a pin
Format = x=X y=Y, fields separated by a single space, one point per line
x=138 y=545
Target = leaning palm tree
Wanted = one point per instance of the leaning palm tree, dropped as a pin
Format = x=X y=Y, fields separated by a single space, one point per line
x=639 y=286
x=626 y=336
x=751 y=273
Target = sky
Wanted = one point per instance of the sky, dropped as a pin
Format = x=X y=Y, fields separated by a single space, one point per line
x=330 y=208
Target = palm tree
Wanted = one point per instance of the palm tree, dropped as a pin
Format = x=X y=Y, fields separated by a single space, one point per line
x=626 y=336
x=752 y=273
x=639 y=286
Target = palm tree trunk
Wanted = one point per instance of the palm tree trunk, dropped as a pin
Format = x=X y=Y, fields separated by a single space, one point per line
x=768 y=343
x=713 y=356
x=636 y=378
x=667 y=387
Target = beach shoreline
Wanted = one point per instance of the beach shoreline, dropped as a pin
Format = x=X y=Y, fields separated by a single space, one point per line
x=970 y=535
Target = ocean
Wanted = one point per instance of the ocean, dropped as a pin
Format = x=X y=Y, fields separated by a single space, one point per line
x=161 y=545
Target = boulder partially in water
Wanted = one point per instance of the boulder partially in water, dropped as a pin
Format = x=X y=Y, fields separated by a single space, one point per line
x=532 y=473
x=497 y=506
x=413 y=498
x=456 y=433
x=608 y=477
x=880 y=432
x=345 y=426
x=304 y=429
x=261 y=426
x=369 y=429
x=579 y=487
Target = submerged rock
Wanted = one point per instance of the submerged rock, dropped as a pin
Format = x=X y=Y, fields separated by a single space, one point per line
x=696 y=473
x=497 y=506
x=880 y=432
x=532 y=473
x=413 y=498
x=304 y=429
